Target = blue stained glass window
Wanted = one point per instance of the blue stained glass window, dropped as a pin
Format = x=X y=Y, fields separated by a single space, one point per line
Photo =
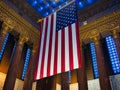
x=4 y=46
x=113 y=54
x=27 y=58
x=94 y=60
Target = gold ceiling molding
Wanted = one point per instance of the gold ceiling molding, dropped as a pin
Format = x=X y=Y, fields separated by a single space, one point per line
x=115 y=32
x=16 y=22
x=100 y=25
x=113 y=17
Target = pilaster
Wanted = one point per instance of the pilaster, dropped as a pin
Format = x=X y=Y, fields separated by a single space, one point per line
x=64 y=81
x=81 y=75
x=103 y=77
x=30 y=71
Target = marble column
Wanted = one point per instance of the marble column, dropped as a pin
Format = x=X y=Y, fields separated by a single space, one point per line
x=51 y=83
x=41 y=84
x=81 y=75
x=13 y=68
x=103 y=77
x=117 y=41
x=64 y=81
x=54 y=82
x=29 y=78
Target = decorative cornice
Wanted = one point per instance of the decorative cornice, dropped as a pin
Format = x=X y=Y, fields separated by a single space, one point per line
x=105 y=23
x=16 y=22
x=17 y=18
x=96 y=8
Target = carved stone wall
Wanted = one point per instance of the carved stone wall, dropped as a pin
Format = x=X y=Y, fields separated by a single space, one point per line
x=16 y=22
x=104 y=24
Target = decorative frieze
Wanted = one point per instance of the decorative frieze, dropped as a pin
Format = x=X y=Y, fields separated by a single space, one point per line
x=16 y=22
x=106 y=23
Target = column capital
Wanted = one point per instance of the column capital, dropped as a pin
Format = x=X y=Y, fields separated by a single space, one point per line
x=96 y=39
x=35 y=47
x=22 y=40
x=5 y=29
x=115 y=33
x=33 y=51
x=87 y=41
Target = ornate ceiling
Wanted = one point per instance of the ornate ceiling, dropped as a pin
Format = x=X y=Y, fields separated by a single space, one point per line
x=24 y=10
x=32 y=10
x=46 y=7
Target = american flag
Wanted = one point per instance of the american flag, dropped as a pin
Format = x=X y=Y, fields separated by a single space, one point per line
x=59 y=45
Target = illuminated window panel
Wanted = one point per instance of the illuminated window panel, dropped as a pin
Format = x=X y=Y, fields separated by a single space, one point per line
x=27 y=58
x=94 y=60
x=113 y=54
x=4 y=46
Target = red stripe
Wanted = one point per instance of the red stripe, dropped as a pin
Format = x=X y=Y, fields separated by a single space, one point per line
x=50 y=47
x=63 y=51
x=37 y=57
x=78 y=44
x=70 y=47
x=44 y=46
x=56 y=53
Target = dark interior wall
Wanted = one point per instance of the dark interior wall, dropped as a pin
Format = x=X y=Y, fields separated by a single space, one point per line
x=88 y=63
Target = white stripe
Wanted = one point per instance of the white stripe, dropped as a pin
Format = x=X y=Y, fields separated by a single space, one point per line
x=66 y=50
x=74 y=42
x=47 y=47
x=59 y=53
x=41 y=50
x=53 y=46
